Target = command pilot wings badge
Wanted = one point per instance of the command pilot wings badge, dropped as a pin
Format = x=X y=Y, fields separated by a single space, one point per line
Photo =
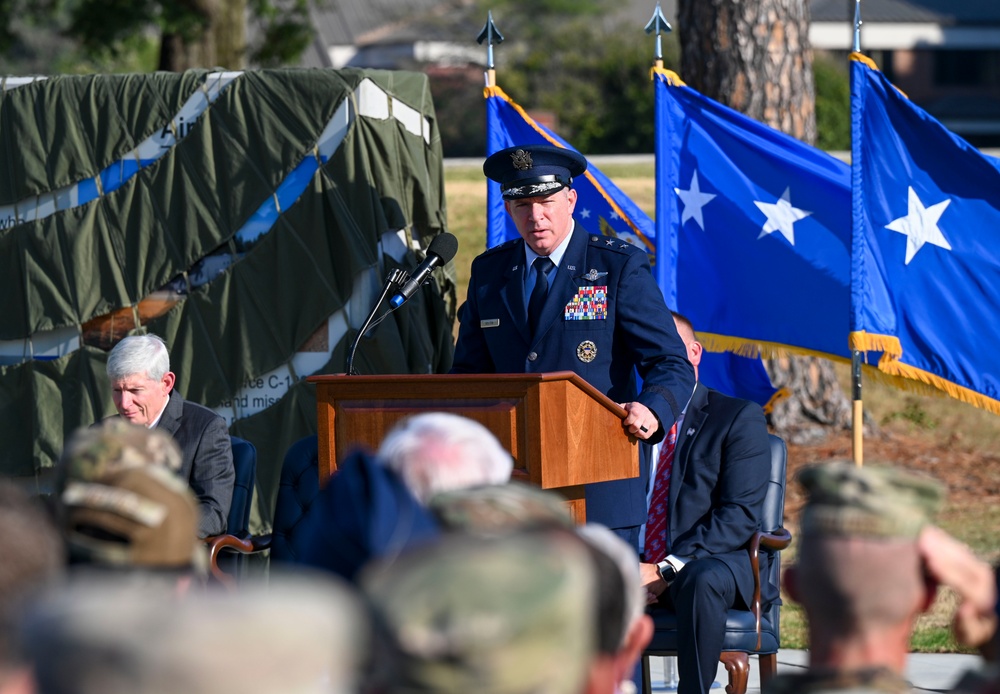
x=594 y=275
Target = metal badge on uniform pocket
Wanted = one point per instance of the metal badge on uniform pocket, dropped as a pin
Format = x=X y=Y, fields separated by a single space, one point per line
x=586 y=351
x=589 y=303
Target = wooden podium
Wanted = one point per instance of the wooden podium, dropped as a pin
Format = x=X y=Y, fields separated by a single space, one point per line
x=562 y=432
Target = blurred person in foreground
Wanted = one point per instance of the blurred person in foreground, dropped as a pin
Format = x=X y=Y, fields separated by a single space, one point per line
x=492 y=615
x=122 y=509
x=142 y=387
x=32 y=559
x=869 y=564
x=629 y=630
x=375 y=506
x=621 y=627
x=437 y=452
x=301 y=635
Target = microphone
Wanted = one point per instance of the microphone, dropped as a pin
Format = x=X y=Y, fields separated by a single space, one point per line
x=442 y=249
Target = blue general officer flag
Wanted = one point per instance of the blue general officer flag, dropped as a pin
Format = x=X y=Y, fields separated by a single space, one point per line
x=926 y=262
x=602 y=206
x=759 y=223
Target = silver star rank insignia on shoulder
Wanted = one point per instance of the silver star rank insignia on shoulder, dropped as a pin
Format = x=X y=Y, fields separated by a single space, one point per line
x=594 y=275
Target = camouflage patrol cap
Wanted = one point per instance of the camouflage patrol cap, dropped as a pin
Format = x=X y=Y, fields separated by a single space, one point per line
x=500 y=508
x=503 y=615
x=870 y=501
x=141 y=517
x=115 y=444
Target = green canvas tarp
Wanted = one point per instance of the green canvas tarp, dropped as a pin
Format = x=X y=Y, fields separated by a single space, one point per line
x=301 y=188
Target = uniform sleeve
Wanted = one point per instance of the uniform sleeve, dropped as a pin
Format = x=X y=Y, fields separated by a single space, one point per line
x=657 y=351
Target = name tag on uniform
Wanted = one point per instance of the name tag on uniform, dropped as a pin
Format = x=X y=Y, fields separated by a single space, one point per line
x=490 y=323
x=589 y=303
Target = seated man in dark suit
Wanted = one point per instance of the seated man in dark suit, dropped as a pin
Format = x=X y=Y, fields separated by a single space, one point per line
x=706 y=496
x=143 y=390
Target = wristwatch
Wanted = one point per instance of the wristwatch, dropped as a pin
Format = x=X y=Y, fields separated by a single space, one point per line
x=667 y=571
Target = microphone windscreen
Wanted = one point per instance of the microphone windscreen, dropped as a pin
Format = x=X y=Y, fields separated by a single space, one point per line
x=444 y=245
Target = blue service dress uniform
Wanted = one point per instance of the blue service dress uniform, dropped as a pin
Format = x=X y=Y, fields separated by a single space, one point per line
x=604 y=319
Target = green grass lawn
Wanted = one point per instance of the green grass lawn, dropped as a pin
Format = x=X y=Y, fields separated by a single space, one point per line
x=968 y=431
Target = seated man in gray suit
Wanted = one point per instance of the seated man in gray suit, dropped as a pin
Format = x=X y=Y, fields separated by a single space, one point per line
x=142 y=386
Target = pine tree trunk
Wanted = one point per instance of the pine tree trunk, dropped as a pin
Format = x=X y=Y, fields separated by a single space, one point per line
x=231 y=35
x=179 y=52
x=754 y=56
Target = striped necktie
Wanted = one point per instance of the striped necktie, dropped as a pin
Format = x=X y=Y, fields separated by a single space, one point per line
x=655 y=547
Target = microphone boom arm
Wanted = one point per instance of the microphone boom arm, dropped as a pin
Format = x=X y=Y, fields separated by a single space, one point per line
x=393 y=281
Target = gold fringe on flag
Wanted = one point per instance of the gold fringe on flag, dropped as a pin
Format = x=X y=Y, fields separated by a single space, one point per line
x=673 y=78
x=912 y=375
x=870 y=342
x=746 y=347
x=778 y=396
x=862 y=58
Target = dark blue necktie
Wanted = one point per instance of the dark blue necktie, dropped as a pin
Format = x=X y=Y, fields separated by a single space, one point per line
x=541 y=267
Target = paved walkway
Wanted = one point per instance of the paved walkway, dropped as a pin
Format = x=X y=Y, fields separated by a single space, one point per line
x=929 y=672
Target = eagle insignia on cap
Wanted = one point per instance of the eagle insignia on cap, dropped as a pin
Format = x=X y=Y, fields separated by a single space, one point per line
x=522 y=159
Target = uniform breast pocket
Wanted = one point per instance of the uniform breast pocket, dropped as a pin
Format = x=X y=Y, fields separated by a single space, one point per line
x=588 y=309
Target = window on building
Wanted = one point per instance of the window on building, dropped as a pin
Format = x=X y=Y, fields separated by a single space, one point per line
x=966 y=68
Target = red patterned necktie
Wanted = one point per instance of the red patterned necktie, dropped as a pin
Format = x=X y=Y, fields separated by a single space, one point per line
x=655 y=547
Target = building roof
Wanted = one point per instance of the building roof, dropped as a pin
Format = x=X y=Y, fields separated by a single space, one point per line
x=346 y=28
x=944 y=12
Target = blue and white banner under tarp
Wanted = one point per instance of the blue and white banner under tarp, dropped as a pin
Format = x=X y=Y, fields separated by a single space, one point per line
x=760 y=225
x=603 y=207
x=925 y=286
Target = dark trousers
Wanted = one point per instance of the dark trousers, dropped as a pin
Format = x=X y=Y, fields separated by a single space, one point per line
x=702 y=594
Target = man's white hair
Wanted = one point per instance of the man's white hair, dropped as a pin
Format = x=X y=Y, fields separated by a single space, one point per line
x=438 y=452
x=137 y=355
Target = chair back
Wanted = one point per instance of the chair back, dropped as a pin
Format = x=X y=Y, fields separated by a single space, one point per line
x=772 y=518
x=245 y=463
x=773 y=512
x=298 y=487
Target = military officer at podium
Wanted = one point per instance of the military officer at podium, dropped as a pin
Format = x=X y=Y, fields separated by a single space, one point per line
x=563 y=299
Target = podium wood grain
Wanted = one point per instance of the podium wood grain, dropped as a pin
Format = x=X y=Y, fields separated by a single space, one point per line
x=561 y=431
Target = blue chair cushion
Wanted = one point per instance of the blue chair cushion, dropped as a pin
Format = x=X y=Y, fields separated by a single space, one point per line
x=740 y=632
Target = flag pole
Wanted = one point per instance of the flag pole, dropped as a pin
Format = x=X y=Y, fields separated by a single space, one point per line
x=491 y=37
x=857 y=26
x=664 y=270
x=858 y=411
x=857 y=414
x=661 y=26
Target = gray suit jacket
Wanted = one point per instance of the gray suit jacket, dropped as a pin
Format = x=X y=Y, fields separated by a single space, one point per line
x=208 y=458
